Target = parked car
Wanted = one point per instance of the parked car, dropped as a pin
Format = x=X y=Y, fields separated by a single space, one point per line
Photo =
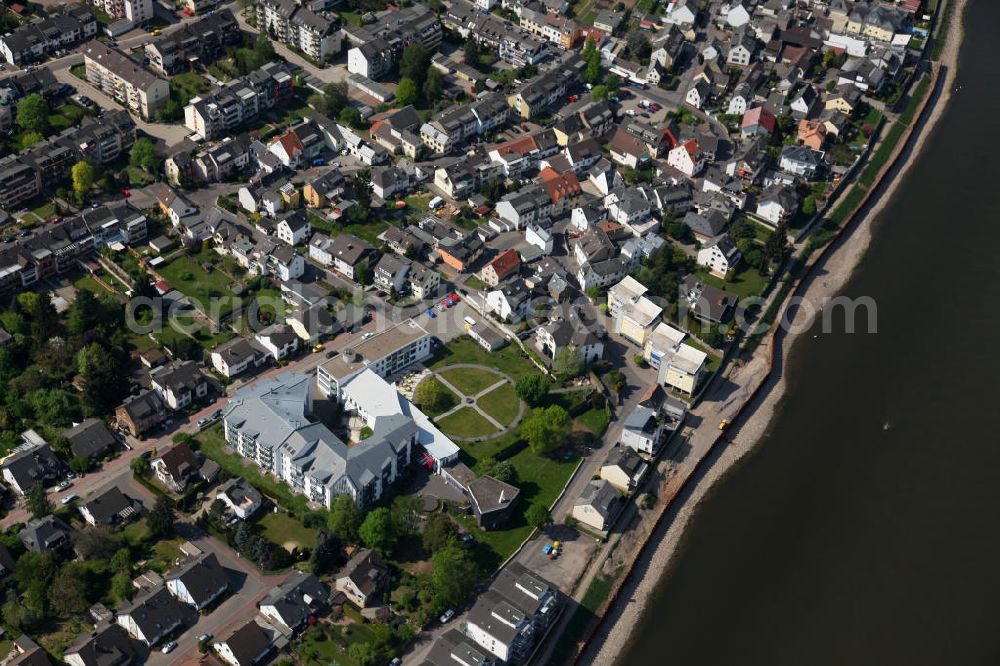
x=64 y=485
x=69 y=498
x=166 y=649
x=447 y=615
x=431 y=313
x=205 y=638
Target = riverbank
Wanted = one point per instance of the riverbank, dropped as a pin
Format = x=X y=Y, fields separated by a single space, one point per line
x=838 y=265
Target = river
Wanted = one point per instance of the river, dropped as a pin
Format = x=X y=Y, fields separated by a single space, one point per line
x=862 y=528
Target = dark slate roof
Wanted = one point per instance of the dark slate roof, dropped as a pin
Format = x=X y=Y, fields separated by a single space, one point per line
x=111 y=506
x=90 y=438
x=107 y=645
x=202 y=576
x=248 y=642
x=40 y=534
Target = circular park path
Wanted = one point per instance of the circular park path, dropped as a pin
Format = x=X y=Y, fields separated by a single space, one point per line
x=474 y=383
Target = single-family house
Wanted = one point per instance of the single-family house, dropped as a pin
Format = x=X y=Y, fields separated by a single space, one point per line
x=719 y=255
x=598 y=505
x=199 y=581
x=624 y=468
x=363 y=579
x=176 y=466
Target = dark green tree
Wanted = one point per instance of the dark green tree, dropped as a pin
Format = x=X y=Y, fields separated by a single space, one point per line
x=532 y=388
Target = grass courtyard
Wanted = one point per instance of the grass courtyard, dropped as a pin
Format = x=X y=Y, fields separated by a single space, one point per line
x=471 y=381
x=508 y=360
x=466 y=422
x=501 y=403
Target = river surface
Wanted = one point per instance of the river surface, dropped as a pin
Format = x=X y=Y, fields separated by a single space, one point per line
x=838 y=541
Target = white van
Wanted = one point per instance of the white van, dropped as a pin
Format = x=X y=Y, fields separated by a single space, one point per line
x=435 y=203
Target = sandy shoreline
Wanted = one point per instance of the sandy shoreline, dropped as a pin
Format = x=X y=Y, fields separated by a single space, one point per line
x=614 y=634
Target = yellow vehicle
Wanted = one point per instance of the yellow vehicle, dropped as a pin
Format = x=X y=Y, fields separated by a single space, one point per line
x=725 y=422
x=318 y=348
x=155 y=32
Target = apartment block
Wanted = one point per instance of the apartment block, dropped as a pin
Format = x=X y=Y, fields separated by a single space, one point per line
x=124 y=79
x=202 y=41
x=47 y=163
x=136 y=11
x=377 y=47
x=35 y=41
x=315 y=35
x=216 y=114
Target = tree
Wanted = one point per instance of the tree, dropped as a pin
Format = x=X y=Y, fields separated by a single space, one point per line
x=407 y=92
x=378 y=530
x=532 y=388
x=350 y=116
x=546 y=428
x=472 y=52
x=538 y=516
x=121 y=561
x=105 y=381
x=345 y=519
x=144 y=156
x=431 y=395
x=38 y=502
x=362 y=654
x=161 y=517
x=68 y=593
x=776 y=243
x=439 y=532
x=33 y=568
x=616 y=380
x=568 y=362
x=79 y=465
x=501 y=470
x=33 y=113
x=362 y=186
x=455 y=574
x=97 y=543
x=28 y=139
x=324 y=552
x=593 y=72
x=406 y=514
x=433 y=85
x=139 y=466
x=83 y=179
x=413 y=65
x=600 y=92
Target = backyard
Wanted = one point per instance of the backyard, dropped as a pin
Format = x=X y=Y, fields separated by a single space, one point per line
x=284 y=530
x=471 y=381
x=188 y=276
x=508 y=360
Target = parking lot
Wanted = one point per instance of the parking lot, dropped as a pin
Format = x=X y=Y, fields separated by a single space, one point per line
x=562 y=571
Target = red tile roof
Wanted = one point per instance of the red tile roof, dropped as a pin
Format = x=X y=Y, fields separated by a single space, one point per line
x=559 y=186
x=505 y=263
x=759 y=116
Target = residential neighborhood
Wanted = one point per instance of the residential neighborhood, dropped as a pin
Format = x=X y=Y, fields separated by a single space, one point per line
x=362 y=332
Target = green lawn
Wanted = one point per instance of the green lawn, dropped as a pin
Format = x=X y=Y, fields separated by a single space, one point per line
x=540 y=480
x=212 y=444
x=189 y=84
x=746 y=282
x=187 y=275
x=322 y=645
x=501 y=403
x=65 y=115
x=508 y=360
x=466 y=422
x=284 y=530
x=368 y=231
x=90 y=284
x=471 y=381
x=472 y=282
x=595 y=420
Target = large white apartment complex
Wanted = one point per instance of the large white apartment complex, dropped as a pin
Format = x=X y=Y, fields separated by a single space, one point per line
x=34 y=41
x=125 y=79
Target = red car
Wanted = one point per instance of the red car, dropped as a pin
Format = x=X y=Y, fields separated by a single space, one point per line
x=126 y=193
x=453 y=297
